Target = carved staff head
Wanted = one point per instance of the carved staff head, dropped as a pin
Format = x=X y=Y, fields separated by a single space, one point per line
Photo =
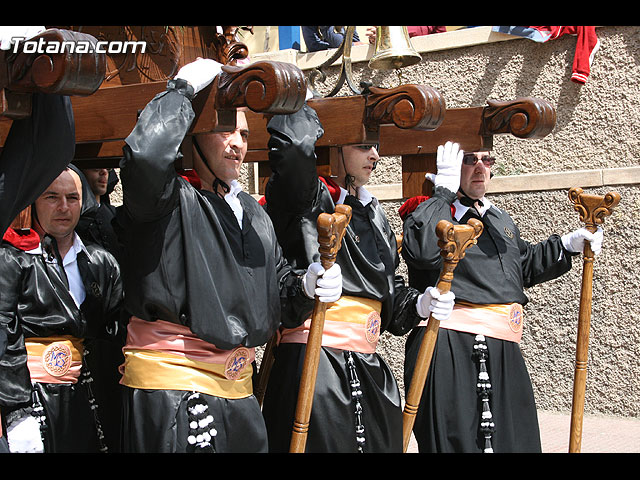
x=331 y=230
x=593 y=208
x=453 y=242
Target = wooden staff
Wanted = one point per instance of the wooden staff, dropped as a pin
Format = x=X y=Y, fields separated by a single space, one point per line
x=331 y=229
x=592 y=209
x=454 y=240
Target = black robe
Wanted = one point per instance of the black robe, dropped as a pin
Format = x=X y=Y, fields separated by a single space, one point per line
x=495 y=271
x=187 y=261
x=368 y=259
x=36 y=302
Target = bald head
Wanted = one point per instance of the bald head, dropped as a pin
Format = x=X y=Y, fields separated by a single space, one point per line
x=57 y=210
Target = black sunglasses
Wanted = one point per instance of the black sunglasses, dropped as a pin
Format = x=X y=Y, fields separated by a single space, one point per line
x=366 y=146
x=471 y=159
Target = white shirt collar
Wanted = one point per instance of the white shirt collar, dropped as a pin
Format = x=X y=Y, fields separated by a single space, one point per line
x=76 y=247
x=462 y=209
x=232 y=199
x=363 y=195
x=234 y=188
x=70 y=266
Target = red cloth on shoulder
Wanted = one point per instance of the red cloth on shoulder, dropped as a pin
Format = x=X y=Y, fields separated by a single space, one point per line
x=23 y=241
x=334 y=188
x=411 y=204
x=192 y=177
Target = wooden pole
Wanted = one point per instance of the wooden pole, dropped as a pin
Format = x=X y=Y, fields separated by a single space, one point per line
x=593 y=209
x=331 y=229
x=454 y=240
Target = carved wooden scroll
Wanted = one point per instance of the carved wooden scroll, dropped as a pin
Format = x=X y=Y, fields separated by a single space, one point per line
x=63 y=62
x=410 y=106
x=526 y=117
x=593 y=209
x=453 y=242
x=263 y=87
x=331 y=230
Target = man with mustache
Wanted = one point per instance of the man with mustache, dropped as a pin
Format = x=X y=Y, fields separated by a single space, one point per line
x=56 y=293
x=205 y=282
x=478 y=394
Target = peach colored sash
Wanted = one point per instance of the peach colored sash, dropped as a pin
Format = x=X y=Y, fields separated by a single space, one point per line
x=54 y=359
x=351 y=323
x=166 y=356
x=504 y=322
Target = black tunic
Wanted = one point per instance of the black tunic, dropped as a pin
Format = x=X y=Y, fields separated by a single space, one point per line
x=495 y=271
x=36 y=302
x=187 y=261
x=368 y=259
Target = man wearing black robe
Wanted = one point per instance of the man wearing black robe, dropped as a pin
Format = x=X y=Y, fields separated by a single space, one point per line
x=356 y=406
x=478 y=394
x=56 y=293
x=205 y=282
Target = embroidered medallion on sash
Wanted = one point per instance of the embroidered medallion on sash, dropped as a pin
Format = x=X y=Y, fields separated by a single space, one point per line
x=56 y=359
x=372 y=327
x=236 y=362
x=515 y=317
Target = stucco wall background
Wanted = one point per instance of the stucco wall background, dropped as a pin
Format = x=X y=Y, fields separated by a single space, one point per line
x=596 y=129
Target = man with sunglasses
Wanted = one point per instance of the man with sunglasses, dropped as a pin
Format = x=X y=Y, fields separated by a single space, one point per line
x=478 y=394
x=357 y=404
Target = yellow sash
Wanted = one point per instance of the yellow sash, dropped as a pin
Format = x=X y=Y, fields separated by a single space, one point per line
x=164 y=356
x=351 y=323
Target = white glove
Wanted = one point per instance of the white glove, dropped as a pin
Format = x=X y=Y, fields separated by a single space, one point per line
x=440 y=305
x=448 y=162
x=200 y=72
x=574 y=241
x=326 y=285
x=13 y=33
x=23 y=435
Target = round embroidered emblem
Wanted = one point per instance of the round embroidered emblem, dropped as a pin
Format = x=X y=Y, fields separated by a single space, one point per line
x=56 y=359
x=508 y=232
x=515 y=317
x=236 y=363
x=372 y=327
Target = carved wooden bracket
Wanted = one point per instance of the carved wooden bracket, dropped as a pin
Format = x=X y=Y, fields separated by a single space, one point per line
x=410 y=106
x=525 y=117
x=264 y=87
x=60 y=64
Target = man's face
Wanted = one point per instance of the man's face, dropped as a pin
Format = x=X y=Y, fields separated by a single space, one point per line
x=474 y=178
x=58 y=208
x=98 y=179
x=359 y=161
x=226 y=151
